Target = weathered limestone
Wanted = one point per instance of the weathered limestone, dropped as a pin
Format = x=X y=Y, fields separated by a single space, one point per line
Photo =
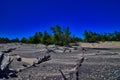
x=9 y=50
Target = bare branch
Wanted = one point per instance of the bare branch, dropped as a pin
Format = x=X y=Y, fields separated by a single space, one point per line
x=63 y=75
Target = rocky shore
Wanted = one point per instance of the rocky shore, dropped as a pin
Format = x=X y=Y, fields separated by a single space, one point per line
x=99 y=63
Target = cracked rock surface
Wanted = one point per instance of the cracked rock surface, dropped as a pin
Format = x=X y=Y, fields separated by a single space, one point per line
x=99 y=64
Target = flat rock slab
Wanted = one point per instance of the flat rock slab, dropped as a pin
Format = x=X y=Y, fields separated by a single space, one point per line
x=99 y=64
x=29 y=52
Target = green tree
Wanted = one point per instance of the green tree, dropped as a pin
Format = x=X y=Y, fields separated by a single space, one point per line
x=4 y=40
x=66 y=36
x=57 y=35
x=46 y=39
x=86 y=36
x=117 y=35
x=36 y=38
x=15 y=40
x=24 y=40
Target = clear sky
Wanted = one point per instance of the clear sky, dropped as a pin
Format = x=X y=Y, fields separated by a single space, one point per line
x=20 y=18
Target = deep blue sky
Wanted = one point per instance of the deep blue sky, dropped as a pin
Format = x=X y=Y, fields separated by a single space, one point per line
x=20 y=18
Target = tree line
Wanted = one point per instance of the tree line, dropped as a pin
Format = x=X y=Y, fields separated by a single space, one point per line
x=90 y=36
x=61 y=36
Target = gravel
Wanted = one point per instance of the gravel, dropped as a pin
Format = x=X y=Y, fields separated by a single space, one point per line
x=96 y=65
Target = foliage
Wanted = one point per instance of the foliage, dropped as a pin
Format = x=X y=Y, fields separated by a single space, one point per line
x=57 y=35
x=4 y=40
x=46 y=39
x=24 y=40
x=36 y=38
x=90 y=36
x=62 y=37
x=15 y=40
